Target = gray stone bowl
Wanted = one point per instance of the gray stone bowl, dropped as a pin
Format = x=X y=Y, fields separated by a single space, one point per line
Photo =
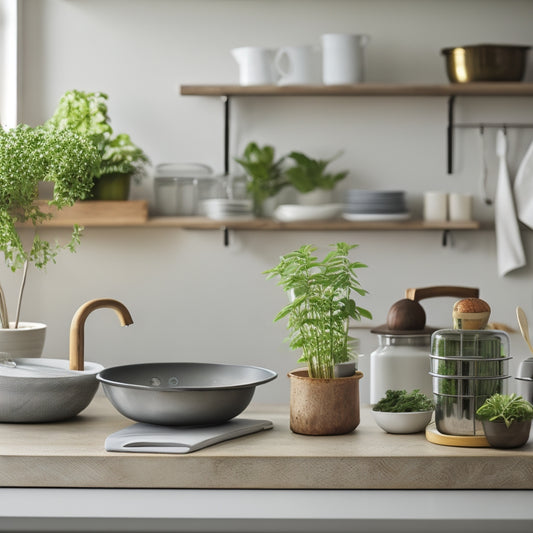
x=45 y=390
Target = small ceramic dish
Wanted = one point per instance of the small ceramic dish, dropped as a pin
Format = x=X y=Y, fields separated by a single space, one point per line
x=402 y=422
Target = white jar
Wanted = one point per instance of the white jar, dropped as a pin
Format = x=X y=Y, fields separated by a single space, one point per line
x=400 y=362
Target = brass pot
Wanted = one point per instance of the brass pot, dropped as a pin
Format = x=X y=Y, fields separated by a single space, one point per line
x=485 y=62
x=323 y=406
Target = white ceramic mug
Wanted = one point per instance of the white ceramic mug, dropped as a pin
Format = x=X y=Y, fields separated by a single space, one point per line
x=460 y=206
x=296 y=65
x=435 y=206
x=343 y=58
x=255 y=65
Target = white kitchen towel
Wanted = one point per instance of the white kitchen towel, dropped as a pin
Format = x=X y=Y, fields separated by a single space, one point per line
x=149 y=438
x=508 y=241
x=523 y=188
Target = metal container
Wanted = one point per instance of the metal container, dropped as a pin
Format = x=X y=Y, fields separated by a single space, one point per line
x=182 y=394
x=485 y=62
x=468 y=366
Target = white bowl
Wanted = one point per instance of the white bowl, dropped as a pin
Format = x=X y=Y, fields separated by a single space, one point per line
x=402 y=422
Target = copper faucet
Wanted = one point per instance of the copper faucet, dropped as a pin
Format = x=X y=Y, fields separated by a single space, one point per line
x=77 y=326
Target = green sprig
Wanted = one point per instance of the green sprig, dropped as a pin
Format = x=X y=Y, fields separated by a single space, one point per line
x=321 y=305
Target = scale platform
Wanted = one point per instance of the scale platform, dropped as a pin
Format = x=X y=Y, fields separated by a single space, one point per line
x=469 y=441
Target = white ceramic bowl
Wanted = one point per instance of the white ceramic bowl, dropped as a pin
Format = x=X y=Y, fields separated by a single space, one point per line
x=402 y=422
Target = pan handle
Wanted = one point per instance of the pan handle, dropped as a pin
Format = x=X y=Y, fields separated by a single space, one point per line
x=442 y=290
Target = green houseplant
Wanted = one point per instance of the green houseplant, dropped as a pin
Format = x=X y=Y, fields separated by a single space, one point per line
x=29 y=156
x=319 y=311
x=265 y=173
x=506 y=420
x=309 y=177
x=86 y=113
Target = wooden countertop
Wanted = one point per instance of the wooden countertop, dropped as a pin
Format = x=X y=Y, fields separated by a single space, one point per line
x=71 y=454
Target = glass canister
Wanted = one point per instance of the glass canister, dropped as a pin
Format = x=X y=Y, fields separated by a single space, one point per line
x=467 y=367
x=400 y=362
x=180 y=187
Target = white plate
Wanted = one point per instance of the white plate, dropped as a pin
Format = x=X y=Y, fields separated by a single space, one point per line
x=362 y=217
x=293 y=213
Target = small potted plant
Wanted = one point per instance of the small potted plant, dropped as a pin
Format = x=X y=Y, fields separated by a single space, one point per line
x=265 y=174
x=29 y=156
x=320 y=308
x=309 y=177
x=506 y=420
x=400 y=411
x=121 y=160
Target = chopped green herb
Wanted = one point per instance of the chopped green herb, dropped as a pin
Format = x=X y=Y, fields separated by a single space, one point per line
x=401 y=401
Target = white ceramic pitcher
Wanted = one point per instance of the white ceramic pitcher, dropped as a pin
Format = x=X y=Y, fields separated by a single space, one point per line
x=297 y=65
x=343 y=58
x=255 y=65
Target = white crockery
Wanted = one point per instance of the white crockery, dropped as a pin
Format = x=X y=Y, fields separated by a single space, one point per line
x=402 y=422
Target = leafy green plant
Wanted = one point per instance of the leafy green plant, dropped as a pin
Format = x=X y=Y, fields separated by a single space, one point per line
x=86 y=113
x=401 y=401
x=28 y=156
x=265 y=174
x=507 y=408
x=308 y=174
x=321 y=305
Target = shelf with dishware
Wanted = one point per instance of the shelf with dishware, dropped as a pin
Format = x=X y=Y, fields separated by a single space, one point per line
x=134 y=213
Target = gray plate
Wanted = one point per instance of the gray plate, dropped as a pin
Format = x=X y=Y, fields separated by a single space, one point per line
x=182 y=394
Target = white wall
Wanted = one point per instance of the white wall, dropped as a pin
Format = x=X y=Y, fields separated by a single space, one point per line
x=193 y=299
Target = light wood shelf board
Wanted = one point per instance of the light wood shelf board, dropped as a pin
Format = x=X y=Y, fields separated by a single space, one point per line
x=365 y=89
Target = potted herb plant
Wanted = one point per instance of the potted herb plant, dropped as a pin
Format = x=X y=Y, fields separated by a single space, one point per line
x=121 y=160
x=29 y=156
x=506 y=420
x=309 y=177
x=265 y=174
x=319 y=311
x=400 y=411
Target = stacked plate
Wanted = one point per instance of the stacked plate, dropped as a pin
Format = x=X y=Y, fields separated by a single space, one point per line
x=224 y=209
x=364 y=204
x=295 y=213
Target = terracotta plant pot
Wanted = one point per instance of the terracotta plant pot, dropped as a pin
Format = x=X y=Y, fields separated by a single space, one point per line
x=323 y=406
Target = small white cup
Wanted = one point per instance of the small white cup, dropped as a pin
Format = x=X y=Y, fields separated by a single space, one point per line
x=435 y=206
x=460 y=206
x=296 y=65
x=343 y=58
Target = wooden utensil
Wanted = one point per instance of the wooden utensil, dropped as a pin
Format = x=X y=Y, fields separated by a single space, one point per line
x=523 y=325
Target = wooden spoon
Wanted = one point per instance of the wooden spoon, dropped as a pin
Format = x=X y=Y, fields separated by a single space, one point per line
x=524 y=327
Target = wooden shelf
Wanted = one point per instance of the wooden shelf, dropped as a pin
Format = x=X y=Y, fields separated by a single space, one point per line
x=134 y=213
x=95 y=213
x=365 y=89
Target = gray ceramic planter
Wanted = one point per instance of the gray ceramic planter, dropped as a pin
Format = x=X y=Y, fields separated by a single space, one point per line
x=501 y=436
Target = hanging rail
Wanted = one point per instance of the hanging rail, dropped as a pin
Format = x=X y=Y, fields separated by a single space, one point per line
x=467 y=125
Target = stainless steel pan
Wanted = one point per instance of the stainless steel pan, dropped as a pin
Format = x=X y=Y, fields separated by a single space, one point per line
x=182 y=394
